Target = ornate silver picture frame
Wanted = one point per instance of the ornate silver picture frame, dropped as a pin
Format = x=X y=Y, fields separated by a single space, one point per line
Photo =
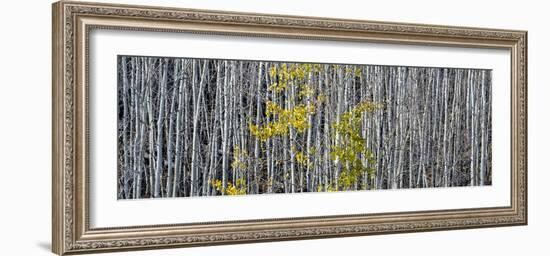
x=72 y=208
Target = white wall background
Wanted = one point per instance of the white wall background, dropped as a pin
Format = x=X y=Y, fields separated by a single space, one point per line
x=25 y=115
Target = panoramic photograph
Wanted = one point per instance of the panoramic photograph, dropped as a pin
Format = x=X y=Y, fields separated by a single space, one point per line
x=191 y=127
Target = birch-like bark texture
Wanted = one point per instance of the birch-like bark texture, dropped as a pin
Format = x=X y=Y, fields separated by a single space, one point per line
x=205 y=127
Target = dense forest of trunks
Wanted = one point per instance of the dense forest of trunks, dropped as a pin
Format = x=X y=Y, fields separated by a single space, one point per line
x=205 y=127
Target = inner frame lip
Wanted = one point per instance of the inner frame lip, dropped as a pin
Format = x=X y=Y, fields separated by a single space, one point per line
x=404 y=213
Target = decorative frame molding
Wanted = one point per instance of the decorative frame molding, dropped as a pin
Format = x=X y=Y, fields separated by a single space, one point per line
x=72 y=22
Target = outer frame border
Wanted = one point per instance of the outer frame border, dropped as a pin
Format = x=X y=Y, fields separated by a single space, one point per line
x=72 y=21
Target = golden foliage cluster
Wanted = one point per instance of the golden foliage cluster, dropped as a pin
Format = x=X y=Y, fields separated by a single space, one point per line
x=351 y=151
x=239 y=188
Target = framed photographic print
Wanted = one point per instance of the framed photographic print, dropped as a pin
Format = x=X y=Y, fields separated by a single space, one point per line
x=178 y=127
